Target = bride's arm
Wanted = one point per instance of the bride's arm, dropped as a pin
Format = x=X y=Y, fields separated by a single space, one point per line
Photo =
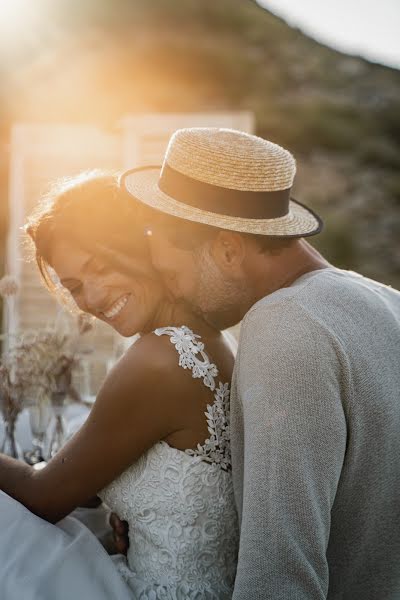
x=140 y=403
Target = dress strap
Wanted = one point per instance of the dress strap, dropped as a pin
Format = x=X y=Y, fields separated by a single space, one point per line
x=216 y=449
x=191 y=353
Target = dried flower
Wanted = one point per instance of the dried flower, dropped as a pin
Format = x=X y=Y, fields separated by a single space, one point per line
x=8 y=286
x=40 y=364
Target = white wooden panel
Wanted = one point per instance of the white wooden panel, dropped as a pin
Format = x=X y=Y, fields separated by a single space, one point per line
x=40 y=154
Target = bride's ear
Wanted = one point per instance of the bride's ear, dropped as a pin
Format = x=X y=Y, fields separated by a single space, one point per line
x=229 y=251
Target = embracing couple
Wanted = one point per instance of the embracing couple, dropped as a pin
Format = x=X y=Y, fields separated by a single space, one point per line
x=277 y=478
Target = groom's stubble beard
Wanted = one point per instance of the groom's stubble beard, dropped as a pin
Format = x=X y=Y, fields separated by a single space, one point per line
x=218 y=298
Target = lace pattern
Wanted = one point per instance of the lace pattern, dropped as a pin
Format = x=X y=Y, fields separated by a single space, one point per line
x=216 y=448
x=180 y=507
x=183 y=528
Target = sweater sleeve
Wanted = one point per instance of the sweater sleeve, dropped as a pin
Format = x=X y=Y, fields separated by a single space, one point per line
x=289 y=380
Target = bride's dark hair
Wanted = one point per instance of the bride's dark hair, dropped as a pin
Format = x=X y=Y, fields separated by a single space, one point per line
x=88 y=209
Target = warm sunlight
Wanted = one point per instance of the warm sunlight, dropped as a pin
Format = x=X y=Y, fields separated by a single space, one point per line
x=199 y=299
x=16 y=16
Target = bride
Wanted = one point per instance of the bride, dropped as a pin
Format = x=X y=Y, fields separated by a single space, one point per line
x=155 y=446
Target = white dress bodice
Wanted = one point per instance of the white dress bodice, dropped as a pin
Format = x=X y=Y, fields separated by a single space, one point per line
x=179 y=504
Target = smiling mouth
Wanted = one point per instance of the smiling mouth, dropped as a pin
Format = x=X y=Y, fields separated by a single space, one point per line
x=116 y=308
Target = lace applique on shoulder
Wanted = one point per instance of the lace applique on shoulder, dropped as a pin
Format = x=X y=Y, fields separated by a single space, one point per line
x=216 y=449
x=189 y=350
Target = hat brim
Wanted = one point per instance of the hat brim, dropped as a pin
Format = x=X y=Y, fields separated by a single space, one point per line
x=142 y=184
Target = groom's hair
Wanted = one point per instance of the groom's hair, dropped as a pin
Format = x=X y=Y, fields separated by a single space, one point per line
x=190 y=235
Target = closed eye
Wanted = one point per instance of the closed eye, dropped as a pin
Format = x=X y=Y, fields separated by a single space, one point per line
x=73 y=286
x=75 y=289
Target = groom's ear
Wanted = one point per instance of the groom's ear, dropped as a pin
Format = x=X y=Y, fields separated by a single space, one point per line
x=229 y=251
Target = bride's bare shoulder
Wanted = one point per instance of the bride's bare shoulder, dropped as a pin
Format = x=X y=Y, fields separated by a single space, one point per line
x=149 y=372
x=149 y=354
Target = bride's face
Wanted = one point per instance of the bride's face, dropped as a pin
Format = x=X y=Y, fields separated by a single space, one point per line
x=127 y=303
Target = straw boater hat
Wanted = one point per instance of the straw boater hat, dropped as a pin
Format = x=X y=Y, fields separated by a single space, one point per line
x=227 y=179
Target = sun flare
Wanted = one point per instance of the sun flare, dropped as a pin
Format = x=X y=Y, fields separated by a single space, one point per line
x=17 y=16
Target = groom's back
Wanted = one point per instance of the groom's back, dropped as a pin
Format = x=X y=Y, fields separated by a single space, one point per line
x=351 y=332
x=364 y=548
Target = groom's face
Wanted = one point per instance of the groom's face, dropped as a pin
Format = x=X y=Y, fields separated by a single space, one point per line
x=193 y=275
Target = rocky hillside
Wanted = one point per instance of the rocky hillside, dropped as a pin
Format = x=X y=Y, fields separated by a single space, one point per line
x=94 y=60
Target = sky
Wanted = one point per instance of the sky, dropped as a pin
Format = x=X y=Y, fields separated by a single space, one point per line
x=362 y=27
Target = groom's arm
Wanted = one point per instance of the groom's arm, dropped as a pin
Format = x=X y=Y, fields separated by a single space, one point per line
x=289 y=382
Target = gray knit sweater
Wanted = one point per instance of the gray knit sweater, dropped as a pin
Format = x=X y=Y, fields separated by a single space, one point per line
x=315 y=418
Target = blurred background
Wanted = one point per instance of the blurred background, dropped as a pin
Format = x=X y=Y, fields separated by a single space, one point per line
x=101 y=83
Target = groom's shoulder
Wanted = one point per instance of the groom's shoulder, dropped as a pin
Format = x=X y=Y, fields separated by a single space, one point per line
x=328 y=300
x=297 y=301
x=327 y=287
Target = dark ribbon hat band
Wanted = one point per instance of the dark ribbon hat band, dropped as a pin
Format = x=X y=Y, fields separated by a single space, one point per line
x=223 y=201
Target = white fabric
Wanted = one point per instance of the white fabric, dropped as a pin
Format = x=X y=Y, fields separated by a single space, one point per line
x=40 y=561
x=182 y=522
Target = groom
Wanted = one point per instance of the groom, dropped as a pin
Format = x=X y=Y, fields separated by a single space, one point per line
x=315 y=406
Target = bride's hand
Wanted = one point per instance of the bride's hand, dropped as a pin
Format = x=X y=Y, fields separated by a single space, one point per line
x=120 y=534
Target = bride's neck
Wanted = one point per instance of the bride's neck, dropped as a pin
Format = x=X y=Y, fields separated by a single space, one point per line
x=176 y=314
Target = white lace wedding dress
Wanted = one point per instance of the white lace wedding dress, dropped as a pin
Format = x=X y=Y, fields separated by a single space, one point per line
x=180 y=508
